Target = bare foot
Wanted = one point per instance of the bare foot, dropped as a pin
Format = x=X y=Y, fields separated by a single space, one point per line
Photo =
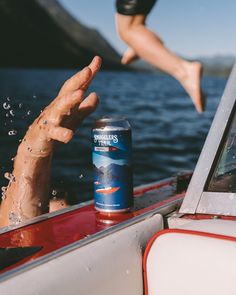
x=191 y=82
x=129 y=56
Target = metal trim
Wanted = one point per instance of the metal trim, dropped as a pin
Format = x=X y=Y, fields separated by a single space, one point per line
x=217 y=203
x=45 y=216
x=163 y=210
x=195 y=190
x=77 y=206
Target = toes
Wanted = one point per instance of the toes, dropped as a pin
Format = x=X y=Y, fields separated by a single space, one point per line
x=60 y=134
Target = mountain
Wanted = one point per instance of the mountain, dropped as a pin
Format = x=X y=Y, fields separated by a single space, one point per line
x=113 y=172
x=41 y=33
x=213 y=65
x=217 y=64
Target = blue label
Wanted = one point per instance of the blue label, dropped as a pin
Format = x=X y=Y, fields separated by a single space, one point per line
x=112 y=161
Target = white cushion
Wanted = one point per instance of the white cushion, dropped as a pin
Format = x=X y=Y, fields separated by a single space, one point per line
x=216 y=226
x=182 y=262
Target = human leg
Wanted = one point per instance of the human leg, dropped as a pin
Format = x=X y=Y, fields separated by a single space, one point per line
x=150 y=47
x=129 y=56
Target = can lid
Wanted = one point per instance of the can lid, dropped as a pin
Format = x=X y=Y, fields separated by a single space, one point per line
x=108 y=122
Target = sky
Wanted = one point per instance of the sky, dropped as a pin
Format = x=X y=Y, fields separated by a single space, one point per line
x=188 y=27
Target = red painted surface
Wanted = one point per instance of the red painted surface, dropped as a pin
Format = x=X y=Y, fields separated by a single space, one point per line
x=207 y=216
x=180 y=231
x=64 y=229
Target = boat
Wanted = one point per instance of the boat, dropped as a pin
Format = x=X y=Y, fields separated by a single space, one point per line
x=179 y=238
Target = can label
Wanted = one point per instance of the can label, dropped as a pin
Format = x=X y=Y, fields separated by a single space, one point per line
x=112 y=161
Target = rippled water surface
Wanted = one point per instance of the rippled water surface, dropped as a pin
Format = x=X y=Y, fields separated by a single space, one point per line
x=168 y=134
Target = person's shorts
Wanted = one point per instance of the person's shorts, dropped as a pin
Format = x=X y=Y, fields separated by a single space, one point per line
x=134 y=7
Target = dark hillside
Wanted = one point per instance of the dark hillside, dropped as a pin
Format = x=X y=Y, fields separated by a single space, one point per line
x=41 y=33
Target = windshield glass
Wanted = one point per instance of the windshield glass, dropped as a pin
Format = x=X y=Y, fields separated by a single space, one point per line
x=224 y=175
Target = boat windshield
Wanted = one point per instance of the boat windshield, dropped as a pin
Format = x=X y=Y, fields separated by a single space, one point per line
x=223 y=178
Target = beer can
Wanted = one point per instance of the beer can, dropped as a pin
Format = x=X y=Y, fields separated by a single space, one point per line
x=112 y=163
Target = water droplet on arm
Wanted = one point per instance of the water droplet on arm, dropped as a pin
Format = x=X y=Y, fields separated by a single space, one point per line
x=54 y=192
x=4 y=190
x=14 y=218
x=8 y=176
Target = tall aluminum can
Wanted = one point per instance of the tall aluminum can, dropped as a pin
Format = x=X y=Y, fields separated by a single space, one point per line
x=112 y=163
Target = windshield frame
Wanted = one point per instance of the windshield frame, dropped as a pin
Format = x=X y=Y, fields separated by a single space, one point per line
x=197 y=199
x=221 y=159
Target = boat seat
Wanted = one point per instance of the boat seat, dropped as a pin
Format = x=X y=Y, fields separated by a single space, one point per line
x=215 y=226
x=183 y=262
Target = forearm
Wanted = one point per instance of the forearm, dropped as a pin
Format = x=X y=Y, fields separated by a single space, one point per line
x=27 y=194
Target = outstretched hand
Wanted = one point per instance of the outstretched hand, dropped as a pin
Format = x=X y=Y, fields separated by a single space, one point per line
x=28 y=191
x=62 y=116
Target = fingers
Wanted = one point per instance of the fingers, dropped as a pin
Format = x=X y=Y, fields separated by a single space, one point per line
x=60 y=134
x=68 y=101
x=82 y=79
x=88 y=105
x=76 y=82
x=94 y=66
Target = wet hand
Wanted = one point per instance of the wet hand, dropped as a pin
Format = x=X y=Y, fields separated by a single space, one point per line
x=61 y=118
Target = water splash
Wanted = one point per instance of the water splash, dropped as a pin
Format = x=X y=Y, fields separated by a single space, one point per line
x=8 y=176
x=14 y=218
x=12 y=113
x=4 y=190
x=12 y=132
x=6 y=106
x=54 y=192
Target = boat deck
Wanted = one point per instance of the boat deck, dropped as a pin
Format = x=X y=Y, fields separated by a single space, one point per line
x=54 y=231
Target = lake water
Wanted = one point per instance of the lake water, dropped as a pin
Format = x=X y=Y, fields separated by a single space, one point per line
x=168 y=134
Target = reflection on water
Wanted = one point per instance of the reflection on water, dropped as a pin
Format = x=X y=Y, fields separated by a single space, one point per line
x=168 y=134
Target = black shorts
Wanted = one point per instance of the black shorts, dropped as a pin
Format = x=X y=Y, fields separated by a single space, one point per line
x=134 y=7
